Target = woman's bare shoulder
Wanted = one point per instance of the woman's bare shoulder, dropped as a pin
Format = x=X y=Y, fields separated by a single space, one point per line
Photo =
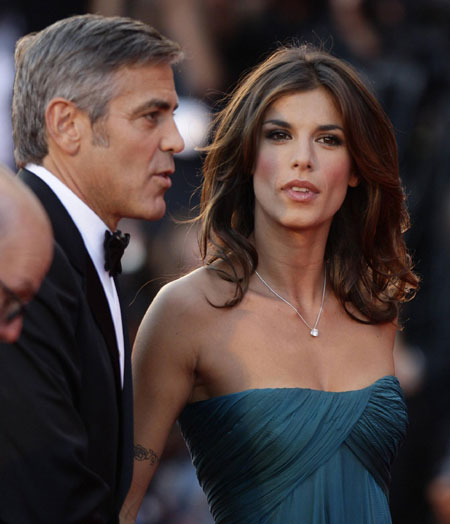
x=182 y=316
x=188 y=299
x=200 y=287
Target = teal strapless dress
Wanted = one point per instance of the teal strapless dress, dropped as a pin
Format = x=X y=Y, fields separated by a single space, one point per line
x=294 y=455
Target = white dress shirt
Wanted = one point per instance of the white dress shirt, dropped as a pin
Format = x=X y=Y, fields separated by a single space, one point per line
x=92 y=229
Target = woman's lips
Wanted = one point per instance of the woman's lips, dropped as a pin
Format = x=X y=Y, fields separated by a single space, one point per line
x=301 y=190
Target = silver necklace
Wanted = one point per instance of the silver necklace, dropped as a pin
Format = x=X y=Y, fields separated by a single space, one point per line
x=313 y=331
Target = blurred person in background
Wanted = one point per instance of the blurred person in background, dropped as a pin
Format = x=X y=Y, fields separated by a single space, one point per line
x=26 y=249
x=276 y=357
x=439 y=489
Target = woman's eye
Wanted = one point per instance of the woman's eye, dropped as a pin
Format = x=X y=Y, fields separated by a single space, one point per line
x=278 y=135
x=331 y=140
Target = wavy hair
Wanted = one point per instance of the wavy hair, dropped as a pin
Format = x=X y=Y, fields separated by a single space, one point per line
x=367 y=261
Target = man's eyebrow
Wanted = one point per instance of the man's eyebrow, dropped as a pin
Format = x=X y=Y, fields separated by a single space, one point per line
x=154 y=103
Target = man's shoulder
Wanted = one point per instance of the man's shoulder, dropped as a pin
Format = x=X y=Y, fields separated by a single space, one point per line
x=64 y=228
x=62 y=283
x=61 y=268
x=61 y=264
x=53 y=314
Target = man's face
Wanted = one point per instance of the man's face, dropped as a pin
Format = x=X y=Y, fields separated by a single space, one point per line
x=128 y=177
x=24 y=261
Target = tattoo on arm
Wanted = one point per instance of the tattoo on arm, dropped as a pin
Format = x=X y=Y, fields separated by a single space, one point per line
x=141 y=453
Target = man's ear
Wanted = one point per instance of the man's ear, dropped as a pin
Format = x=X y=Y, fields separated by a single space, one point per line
x=64 y=125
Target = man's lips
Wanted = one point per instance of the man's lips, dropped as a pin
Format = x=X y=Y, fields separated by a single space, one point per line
x=164 y=177
x=166 y=172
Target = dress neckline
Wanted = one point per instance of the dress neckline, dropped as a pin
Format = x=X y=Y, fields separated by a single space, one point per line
x=392 y=378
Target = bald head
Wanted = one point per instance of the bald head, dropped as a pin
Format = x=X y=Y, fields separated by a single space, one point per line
x=26 y=248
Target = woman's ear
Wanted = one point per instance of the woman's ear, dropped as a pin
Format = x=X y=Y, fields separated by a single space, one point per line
x=353 y=180
x=63 y=126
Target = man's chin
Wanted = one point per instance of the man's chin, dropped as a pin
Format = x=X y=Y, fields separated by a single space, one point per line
x=156 y=212
x=150 y=210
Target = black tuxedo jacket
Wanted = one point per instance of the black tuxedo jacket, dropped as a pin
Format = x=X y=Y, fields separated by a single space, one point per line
x=65 y=422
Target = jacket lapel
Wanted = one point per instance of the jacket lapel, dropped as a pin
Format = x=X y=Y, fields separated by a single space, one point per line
x=126 y=411
x=102 y=314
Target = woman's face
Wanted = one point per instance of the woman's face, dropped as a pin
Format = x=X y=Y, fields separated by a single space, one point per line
x=303 y=167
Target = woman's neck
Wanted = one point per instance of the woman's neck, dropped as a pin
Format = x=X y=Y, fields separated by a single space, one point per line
x=293 y=264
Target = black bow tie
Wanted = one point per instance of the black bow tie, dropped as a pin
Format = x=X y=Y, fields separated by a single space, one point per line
x=115 y=244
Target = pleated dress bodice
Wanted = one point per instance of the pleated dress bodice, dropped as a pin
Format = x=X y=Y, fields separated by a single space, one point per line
x=295 y=455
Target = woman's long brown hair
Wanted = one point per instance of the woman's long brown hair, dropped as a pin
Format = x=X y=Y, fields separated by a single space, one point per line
x=367 y=260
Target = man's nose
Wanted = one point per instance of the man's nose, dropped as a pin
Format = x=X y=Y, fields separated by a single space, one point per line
x=172 y=141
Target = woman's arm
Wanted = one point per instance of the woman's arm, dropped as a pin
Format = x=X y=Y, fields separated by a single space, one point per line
x=164 y=361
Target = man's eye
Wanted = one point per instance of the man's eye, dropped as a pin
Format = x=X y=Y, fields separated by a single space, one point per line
x=152 y=116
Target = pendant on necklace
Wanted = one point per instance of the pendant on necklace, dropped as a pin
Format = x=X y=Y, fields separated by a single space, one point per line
x=313 y=331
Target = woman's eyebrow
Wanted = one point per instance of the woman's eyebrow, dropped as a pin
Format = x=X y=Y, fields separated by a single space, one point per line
x=276 y=122
x=330 y=127
x=287 y=125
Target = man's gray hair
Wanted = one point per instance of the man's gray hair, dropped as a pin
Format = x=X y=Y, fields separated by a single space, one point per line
x=76 y=58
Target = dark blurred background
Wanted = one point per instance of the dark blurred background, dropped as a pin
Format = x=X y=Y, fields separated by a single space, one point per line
x=402 y=50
